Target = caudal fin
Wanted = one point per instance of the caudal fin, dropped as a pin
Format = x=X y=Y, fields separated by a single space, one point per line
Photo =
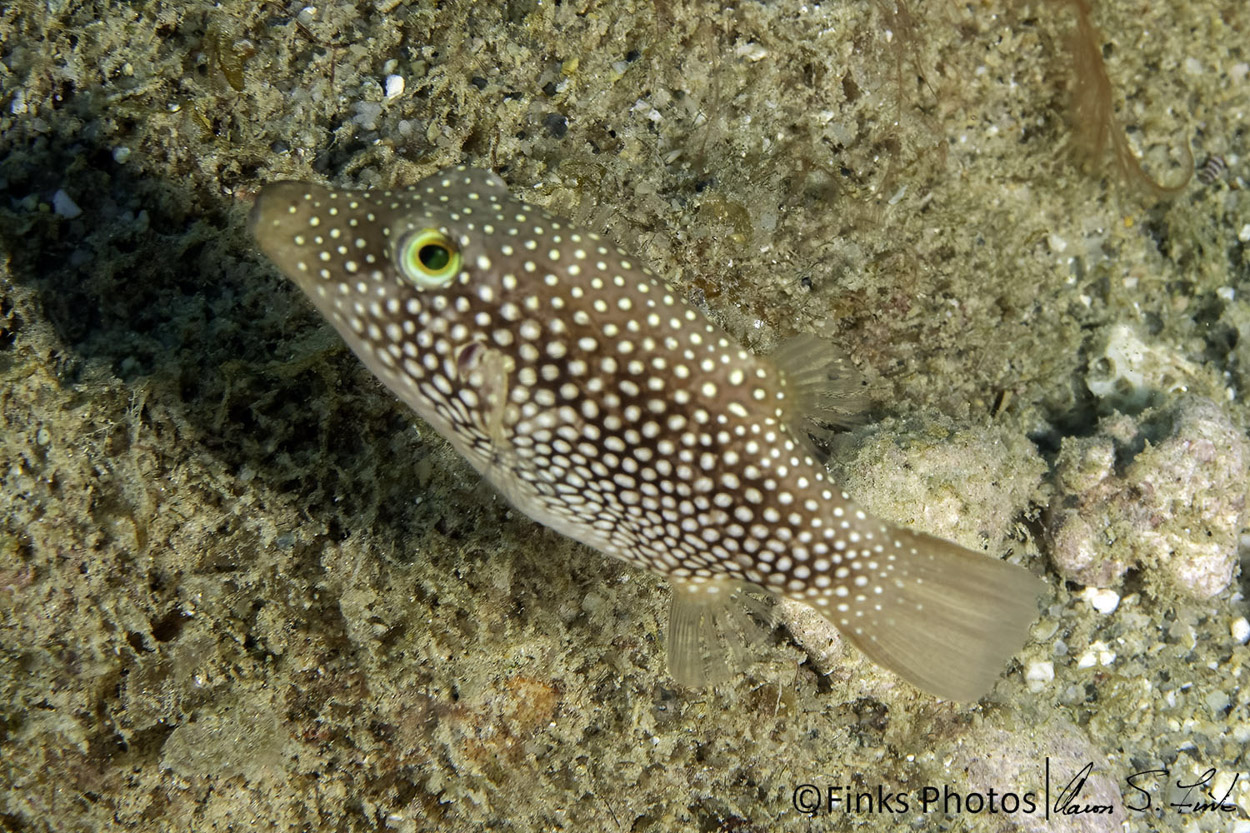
x=942 y=617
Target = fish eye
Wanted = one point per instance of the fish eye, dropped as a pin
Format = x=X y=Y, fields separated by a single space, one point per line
x=428 y=257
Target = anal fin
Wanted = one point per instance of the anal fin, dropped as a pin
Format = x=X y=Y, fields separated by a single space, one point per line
x=712 y=625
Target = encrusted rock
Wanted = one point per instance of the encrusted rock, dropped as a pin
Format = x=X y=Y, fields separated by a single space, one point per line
x=1165 y=493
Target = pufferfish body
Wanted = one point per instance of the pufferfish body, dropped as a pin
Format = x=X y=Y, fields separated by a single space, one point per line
x=603 y=405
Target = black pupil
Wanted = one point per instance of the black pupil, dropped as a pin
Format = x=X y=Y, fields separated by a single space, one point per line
x=434 y=257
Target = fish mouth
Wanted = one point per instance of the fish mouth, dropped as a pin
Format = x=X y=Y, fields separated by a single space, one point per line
x=275 y=202
x=264 y=221
x=254 y=214
x=279 y=219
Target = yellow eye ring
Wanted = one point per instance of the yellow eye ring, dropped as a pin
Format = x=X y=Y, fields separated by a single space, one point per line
x=428 y=257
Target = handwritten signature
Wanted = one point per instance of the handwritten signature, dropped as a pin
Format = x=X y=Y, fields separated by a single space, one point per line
x=1069 y=802
x=1187 y=803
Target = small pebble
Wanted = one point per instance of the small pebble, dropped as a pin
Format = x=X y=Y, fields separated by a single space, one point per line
x=557 y=125
x=367 y=113
x=1102 y=600
x=1240 y=630
x=65 y=206
x=394 y=86
x=1097 y=654
x=751 y=51
x=1038 y=674
x=1217 y=702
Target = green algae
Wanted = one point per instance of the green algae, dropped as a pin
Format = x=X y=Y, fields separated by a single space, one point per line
x=216 y=524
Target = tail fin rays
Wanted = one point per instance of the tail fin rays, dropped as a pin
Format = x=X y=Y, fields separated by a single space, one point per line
x=947 y=620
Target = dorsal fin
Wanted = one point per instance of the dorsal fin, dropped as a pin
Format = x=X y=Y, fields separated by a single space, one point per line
x=824 y=389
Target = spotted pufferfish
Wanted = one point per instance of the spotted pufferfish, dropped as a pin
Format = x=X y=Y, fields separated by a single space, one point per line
x=602 y=404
